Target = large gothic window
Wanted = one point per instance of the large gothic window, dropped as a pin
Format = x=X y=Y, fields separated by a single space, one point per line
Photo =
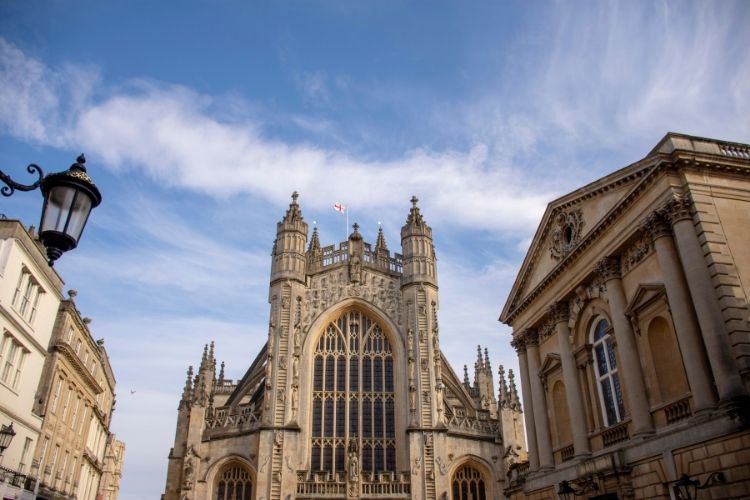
x=353 y=397
x=234 y=483
x=610 y=392
x=468 y=484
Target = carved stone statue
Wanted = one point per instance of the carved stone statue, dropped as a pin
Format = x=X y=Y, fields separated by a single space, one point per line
x=355 y=270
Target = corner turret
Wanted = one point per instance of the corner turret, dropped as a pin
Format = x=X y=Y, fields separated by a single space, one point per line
x=418 y=250
x=289 y=247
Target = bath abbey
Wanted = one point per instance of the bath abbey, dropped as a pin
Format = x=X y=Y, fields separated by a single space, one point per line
x=351 y=396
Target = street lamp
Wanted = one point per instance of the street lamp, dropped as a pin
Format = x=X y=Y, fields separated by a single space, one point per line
x=687 y=488
x=69 y=197
x=6 y=436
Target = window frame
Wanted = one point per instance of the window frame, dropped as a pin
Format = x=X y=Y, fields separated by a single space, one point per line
x=611 y=377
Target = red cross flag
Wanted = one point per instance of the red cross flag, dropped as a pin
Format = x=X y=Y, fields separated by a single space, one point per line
x=339 y=207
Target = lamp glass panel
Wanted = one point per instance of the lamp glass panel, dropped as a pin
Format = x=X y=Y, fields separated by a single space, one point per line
x=79 y=215
x=57 y=209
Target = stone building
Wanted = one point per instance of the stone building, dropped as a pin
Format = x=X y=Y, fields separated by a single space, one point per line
x=351 y=396
x=114 y=459
x=630 y=317
x=75 y=399
x=30 y=292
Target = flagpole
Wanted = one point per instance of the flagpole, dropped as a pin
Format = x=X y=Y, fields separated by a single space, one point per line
x=346 y=229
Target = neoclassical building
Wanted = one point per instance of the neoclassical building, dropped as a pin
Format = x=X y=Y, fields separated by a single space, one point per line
x=351 y=396
x=631 y=321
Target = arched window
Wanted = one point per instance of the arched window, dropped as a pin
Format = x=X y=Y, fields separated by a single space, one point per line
x=468 y=484
x=234 y=483
x=669 y=371
x=610 y=393
x=562 y=416
x=353 y=397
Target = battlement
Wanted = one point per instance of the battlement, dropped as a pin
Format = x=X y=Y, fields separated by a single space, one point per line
x=330 y=257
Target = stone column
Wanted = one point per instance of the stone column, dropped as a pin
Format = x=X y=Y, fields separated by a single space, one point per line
x=560 y=314
x=705 y=301
x=628 y=361
x=519 y=343
x=540 y=402
x=683 y=315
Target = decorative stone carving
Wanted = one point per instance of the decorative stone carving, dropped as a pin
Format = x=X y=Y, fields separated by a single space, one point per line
x=519 y=344
x=532 y=337
x=565 y=233
x=678 y=208
x=324 y=291
x=295 y=401
x=417 y=466
x=656 y=225
x=609 y=268
x=559 y=312
x=636 y=253
x=546 y=330
x=441 y=466
x=355 y=269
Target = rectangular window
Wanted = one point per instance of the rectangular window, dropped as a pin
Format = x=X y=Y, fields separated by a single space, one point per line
x=13 y=359
x=26 y=296
x=68 y=392
x=56 y=397
x=24 y=455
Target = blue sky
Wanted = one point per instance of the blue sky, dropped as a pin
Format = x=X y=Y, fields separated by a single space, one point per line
x=200 y=118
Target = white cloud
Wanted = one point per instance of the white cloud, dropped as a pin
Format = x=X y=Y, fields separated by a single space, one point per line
x=170 y=133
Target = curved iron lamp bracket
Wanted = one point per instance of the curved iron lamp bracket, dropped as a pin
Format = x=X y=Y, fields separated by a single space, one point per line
x=12 y=185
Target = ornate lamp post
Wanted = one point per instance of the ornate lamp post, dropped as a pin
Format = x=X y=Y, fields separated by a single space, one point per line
x=69 y=197
x=6 y=436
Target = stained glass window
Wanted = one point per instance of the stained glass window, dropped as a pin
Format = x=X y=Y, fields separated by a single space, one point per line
x=234 y=483
x=353 y=364
x=468 y=484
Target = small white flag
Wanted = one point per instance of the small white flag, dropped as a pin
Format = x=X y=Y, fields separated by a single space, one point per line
x=339 y=208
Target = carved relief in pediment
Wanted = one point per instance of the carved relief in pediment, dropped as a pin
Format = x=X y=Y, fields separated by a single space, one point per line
x=565 y=233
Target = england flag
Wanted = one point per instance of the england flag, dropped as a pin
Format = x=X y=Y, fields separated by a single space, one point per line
x=339 y=208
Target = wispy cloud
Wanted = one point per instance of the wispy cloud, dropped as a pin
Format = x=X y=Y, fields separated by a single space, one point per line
x=170 y=133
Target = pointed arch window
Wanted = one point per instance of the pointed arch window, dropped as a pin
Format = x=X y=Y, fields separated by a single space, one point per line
x=234 y=483
x=468 y=484
x=353 y=396
x=608 y=378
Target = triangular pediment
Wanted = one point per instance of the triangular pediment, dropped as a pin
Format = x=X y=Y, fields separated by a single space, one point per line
x=571 y=222
x=645 y=295
x=551 y=363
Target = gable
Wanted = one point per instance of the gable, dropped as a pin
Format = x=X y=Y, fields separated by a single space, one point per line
x=568 y=223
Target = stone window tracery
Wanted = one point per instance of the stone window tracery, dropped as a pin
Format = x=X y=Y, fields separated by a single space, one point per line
x=468 y=484
x=353 y=396
x=605 y=363
x=234 y=483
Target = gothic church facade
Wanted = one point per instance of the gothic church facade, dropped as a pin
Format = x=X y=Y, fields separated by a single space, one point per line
x=351 y=396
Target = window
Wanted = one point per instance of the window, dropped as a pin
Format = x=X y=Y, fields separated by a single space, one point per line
x=605 y=361
x=26 y=297
x=234 y=483
x=468 y=484
x=24 y=455
x=671 y=381
x=12 y=357
x=56 y=397
x=353 y=397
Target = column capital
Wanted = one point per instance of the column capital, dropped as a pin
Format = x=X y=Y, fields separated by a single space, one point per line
x=559 y=312
x=678 y=208
x=656 y=225
x=609 y=268
x=532 y=337
x=519 y=343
